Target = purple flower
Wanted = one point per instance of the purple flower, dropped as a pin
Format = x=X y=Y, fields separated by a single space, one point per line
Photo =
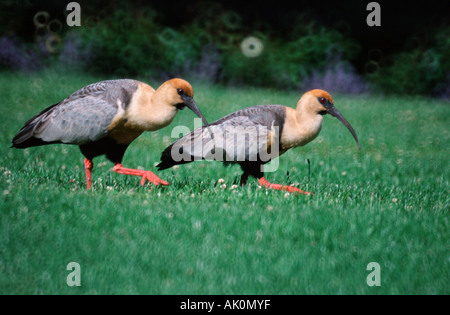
x=74 y=53
x=16 y=56
x=336 y=77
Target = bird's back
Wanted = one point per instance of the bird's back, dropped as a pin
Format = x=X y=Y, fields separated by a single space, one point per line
x=80 y=118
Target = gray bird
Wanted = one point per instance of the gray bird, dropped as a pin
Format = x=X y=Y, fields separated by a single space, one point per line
x=105 y=117
x=253 y=136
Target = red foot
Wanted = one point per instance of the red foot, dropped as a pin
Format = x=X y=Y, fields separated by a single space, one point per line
x=88 y=166
x=146 y=175
x=263 y=182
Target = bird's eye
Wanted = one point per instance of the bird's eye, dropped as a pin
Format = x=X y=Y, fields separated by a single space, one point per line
x=322 y=100
x=180 y=91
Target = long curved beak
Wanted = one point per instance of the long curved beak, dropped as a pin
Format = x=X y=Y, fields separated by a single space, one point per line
x=334 y=112
x=189 y=102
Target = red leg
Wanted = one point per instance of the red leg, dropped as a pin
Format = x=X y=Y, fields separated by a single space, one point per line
x=263 y=182
x=146 y=175
x=88 y=166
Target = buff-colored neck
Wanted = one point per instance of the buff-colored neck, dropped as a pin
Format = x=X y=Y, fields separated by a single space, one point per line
x=151 y=110
x=302 y=124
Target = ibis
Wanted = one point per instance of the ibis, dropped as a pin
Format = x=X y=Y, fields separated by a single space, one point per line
x=103 y=118
x=253 y=136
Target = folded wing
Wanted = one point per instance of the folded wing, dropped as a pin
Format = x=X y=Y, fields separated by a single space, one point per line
x=251 y=134
x=81 y=118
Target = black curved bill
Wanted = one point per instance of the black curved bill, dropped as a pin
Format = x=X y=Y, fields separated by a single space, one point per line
x=334 y=112
x=189 y=102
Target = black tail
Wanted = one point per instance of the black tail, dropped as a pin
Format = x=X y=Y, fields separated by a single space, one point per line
x=167 y=161
x=186 y=147
x=25 y=137
x=30 y=142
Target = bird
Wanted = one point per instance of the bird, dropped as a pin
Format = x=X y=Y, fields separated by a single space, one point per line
x=253 y=136
x=103 y=118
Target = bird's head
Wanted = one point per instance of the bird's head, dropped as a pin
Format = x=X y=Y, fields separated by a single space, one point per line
x=179 y=93
x=321 y=103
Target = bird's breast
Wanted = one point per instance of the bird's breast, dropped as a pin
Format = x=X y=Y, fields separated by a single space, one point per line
x=120 y=128
x=122 y=133
x=152 y=118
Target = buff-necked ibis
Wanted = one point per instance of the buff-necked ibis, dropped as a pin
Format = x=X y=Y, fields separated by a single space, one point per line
x=105 y=117
x=253 y=136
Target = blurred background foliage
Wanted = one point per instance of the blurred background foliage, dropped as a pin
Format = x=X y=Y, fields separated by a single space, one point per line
x=304 y=46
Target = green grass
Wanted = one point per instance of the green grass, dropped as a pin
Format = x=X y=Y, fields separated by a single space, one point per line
x=388 y=203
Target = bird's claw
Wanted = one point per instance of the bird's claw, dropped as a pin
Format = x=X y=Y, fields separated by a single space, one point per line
x=291 y=189
x=295 y=190
x=152 y=178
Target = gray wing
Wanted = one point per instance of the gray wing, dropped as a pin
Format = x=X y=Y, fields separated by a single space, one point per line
x=251 y=134
x=263 y=115
x=82 y=117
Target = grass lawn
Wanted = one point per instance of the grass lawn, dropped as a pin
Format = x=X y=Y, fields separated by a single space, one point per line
x=388 y=203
